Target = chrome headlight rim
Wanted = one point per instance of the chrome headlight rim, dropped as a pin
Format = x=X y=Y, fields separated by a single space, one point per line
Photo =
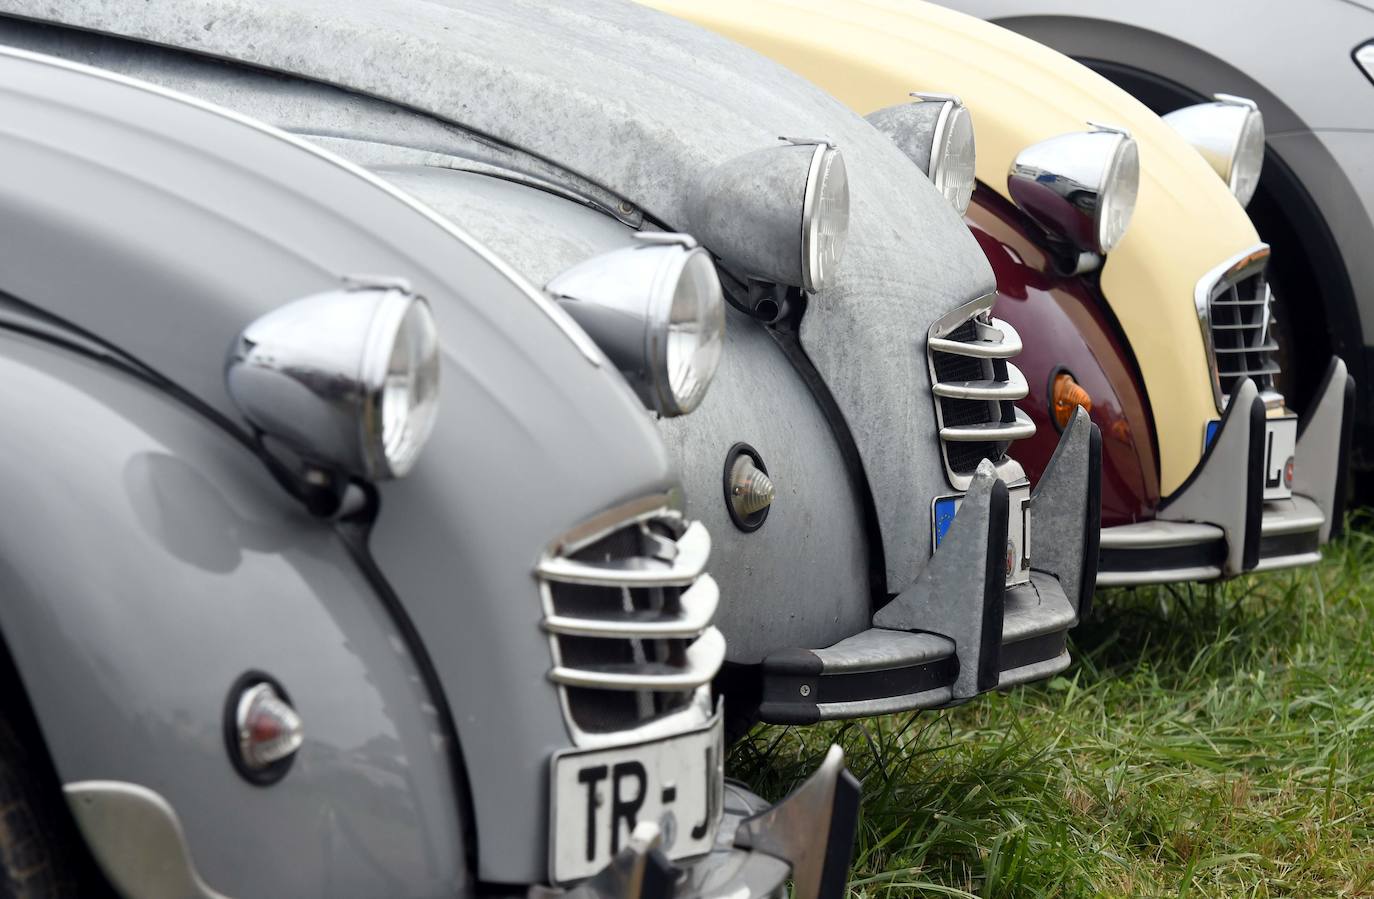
x=392 y=439
x=826 y=198
x=682 y=383
x=1124 y=164
x=953 y=180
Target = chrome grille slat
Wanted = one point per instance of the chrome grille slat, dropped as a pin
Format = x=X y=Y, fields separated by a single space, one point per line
x=703 y=659
x=1006 y=348
x=1013 y=388
x=975 y=388
x=628 y=610
x=1021 y=427
x=693 y=549
x=697 y=609
x=1267 y=346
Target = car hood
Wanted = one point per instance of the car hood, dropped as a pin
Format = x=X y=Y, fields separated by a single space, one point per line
x=642 y=105
x=872 y=53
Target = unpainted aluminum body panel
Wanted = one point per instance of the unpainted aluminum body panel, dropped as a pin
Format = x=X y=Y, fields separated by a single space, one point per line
x=1293 y=59
x=802 y=578
x=164 y=230
x=872 y=53
x=642 y=105
x=149 y=561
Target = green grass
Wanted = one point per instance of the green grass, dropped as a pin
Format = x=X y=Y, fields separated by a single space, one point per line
x=1207 y=742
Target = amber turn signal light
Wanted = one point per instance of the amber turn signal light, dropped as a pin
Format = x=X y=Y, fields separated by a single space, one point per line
x=1068 y=395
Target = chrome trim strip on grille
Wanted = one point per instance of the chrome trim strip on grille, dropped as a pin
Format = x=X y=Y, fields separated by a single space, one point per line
x=686 y=562
x=698 y=607
x=991 y=430
x=1219 y=290
x=703 y=660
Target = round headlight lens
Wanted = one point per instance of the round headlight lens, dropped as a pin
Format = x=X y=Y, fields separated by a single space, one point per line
x=954 y=168
x=695 y=332
x=825 y=218
x=408 y=401
x=1116 y=201
x=1249 y=158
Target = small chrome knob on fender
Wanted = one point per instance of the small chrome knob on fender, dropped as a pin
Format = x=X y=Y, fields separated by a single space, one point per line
x=748 y=489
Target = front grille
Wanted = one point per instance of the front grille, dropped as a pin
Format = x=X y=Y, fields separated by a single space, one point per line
x=629 y=613
x=975 y=388
x=1235 y=306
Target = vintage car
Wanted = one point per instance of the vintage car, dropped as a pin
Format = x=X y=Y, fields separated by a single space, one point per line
x=278 y=614
x=1160 y=328
x=1309 y=67
x=582 y=145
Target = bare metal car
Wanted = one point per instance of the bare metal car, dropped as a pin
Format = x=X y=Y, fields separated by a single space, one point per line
x=277 y=608
x=829 y=456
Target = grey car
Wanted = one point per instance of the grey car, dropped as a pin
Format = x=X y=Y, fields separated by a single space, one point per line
x=828 y=457
x=1309 y=68
x=280 y=625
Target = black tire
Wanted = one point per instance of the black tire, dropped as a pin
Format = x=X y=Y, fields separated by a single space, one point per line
x=41 y=855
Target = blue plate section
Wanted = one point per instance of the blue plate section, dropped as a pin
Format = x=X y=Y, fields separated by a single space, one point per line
x=945 y=509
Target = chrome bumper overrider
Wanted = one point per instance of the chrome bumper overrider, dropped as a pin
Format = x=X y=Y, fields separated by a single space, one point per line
x=959 y=630
x=1218 y=524
x=807 y=838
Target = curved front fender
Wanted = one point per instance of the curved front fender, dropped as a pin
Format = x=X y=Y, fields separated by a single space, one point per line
x=147 y=561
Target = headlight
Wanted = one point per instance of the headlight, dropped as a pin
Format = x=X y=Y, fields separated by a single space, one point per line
x=657 y=311
x=1229 y=133
x=778 y=215
x=347 y=379
x=825 y=217
x=1080 y=187
x=936 y=134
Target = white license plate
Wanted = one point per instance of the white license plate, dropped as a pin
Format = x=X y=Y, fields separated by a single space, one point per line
x=944 y=508
x=599 y=795
x=1280 y=447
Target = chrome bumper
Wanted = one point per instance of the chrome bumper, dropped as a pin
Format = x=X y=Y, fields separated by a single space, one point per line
x=807 y=838
x=1218 y=524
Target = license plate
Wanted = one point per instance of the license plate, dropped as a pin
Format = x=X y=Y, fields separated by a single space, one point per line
x=1280 y=447
x=599 y=796
x=944 y=508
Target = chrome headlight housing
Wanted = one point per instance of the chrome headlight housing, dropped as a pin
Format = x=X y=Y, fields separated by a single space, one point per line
x=657 y=311
x=936 y=133
x=778 y=215
x=1080 y=187
x=1229 y=133
x=347 y=379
